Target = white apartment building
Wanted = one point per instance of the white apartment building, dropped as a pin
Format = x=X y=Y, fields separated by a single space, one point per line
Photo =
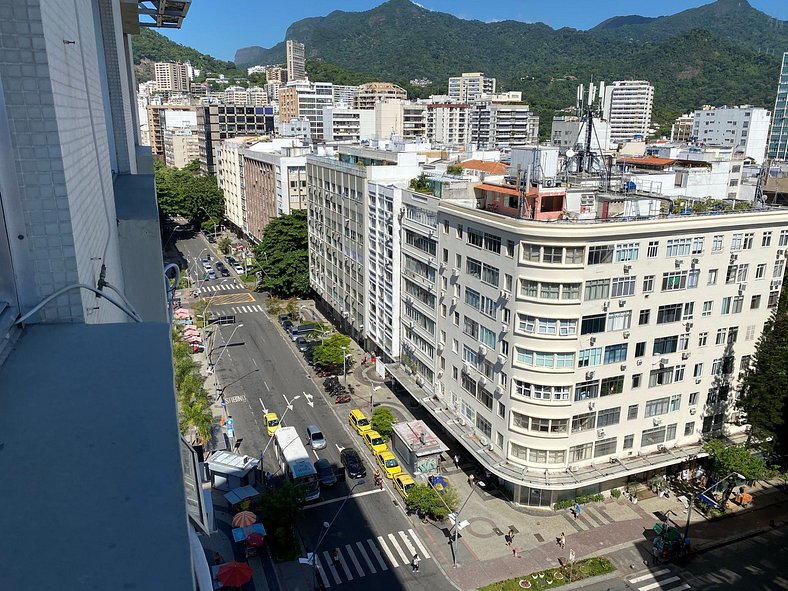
x=470 y=86
x=353 y=228
x=296 y=69
x=396 y=117
x=234 y=95
x=180 y=147
x=368 y=95
x=448 y=123
x=275 y=74
x=742 y=128
x=681 y=130
x=502 y=125
x=229 y=160
x=572 y=357
x=341 y=124
x=344 y=95
x=627 y=108
x=256 y=96
x=305 y=100
x=171 y=77
x=569 y=133
x=256 y=70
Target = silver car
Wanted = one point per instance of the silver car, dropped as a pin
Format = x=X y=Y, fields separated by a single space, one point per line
x=315 y=437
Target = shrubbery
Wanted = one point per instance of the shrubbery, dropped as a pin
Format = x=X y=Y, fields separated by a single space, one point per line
x=567 y=503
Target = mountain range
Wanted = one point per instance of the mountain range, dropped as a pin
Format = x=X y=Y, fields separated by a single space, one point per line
x=726 y=52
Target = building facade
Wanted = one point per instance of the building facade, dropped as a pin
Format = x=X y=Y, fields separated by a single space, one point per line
x=368 y=95
x=448 y=123
x=216 y=123
x=163 y=117
x=627 y=109
x=171 y=77
x=305 y=100
x=778 y=138
x=296 y=69
x=744 y=128
x=180 y=147
x=341 y=124
x=502 y=125
x=275 y=74
x=229 y=158
x=681 y=130
x=470 y=86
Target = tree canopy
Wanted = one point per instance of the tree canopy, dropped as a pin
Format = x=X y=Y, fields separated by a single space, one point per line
x=185 y=192
x=283 y=255
x=330 y=351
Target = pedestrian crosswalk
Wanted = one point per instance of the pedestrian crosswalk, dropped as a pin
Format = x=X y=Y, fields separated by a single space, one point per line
x=662 y=579
x=371 y=556
x=217 y=287
x=591 y=516
x=244 y=309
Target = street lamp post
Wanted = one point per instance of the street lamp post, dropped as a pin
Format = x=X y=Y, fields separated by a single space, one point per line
x=327 y=527
x=289 y=406
x=345 y=355
x=453 y=533
x=713 y=486
x=372 y=395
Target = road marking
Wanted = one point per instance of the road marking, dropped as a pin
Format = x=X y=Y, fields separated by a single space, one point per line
x=322 y=574
x=365 y=556
x=253 y=361
x=343 y=564
x=650 y=576
x=352 y=554
x=332 y=568
x=339 y=447
x=394 y=543
x=238 y=398
x=266 y=385
x=361 y=494
x=407 y=543
x=263 y=405
x=419 y=544
x=385 y=548
x=376 y=554
x=314 y=452
x=658 y=584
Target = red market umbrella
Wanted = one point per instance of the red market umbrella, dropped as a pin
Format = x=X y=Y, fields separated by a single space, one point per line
x=255 y=540
x=234 y=574
x=244 y=518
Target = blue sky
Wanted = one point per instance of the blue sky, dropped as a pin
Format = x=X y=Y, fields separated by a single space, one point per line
x=220 y=27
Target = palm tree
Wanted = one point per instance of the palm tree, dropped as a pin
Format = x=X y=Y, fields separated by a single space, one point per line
x=197 y=416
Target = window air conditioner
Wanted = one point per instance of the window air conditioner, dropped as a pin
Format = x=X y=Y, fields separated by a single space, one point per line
x=589 y=375
x=695 y=261
x=626 y=334
x=622 y=303
x=606 y=305
x=688 y=326
x=600 y=433
x=657 y=421
x=685 y=355
x=664 y=361
x=693 y=410
x=505 y=295
x=734 y=257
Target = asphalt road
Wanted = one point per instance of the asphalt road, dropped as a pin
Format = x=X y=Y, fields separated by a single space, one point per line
x=755 y=563
x=261 y=369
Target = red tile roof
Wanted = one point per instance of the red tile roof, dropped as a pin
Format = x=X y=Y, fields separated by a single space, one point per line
x=498 y=189
x=483 y=166
x=646 y=161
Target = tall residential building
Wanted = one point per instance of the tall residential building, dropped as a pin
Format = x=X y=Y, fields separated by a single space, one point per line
x=80 y=216
x=341 y=124
x=681 y=130
x=256 y=96
x=368 y=95
x=275 y=74
x=295 y=61
x=627 y=108
x=274 y=182
x=229 y=158
x=178 y=116
x=448 y=123
x=349 y=251
x=549 y=343
x=302 y=99
x=234 y=95
x=216 y=123
x=404 y=119
x=778 y=138
x=180 y=147
x=502 y=125
x=171 y=77
x=744 y=128
x=470 y=86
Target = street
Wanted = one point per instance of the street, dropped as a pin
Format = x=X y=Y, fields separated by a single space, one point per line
x=261 y=370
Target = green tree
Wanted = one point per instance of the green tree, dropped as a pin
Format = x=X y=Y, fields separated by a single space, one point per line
x=728 y=459
x=454 y=169
x=421 y=184
x=330 y=351
x=187 y=193
x=257 y=79
x=279 y=508
x=383 y=421
x=199 y=417
x=224 y=245
x=283 y=255
x=427 y=501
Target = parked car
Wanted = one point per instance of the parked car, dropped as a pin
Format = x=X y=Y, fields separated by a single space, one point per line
x=287 y=325
x=303 y=330
x=315 y=437
x=211 y=274
x=283 y=317
x=238 y=269
x=224 y=272
x=389 y=465
x=404 y=483
x=302 y=344
x=229 y=259
x=358 y=421
x=374 y=441
x=325 y=472
x=352 y=463
x=271 y=420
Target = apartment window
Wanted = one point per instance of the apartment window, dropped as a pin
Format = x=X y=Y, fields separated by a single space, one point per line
x=669 y=313
x=658 y=406
x=689 y=311
x=487 y=337
x=736 y=242
x=721 y=333
x=510 y=248
x=663 y=345
x=507 y=282
x=629 y=441
x=702 y=339
x=697 y=245
x=766 y=239
x=636 y=379
x=675 y=402
x=674 y=280
x=589 y=357
x=458 y=261
x=689 y=428
x=607 y=417
x=505 y=348
x=712 y=278
x=652 y=436
x=755 y=302
x=697 y=370
x=475 y=238
x=748 y=239
x=472 y=298
x=783 y=238
x=760 y=271
x=471 y=327
x=483 y=425
x=531 y=252
x=529 y=289
x=653 y=249
x=605 y=447
x=738 y=303
x=600 y=254
x=473 y=268
x=490 y=275
x=489 y=307
x=774 y=298
x=632 y=412
x=619 y=320
x=613 y=385
x=678 y=247
x=597 y=289
x=707 y=307
x=640 y=349
x=552 y=254
x=492 y=243
x=578 y=453
x=593 y=324
x=549 y=291
x=583 y=422
x=717 y=243
x=459 y=230
x=660 y=377
x=627 y=252
x=570 y=291
x=644 y=316
x=750 y=334
x=623 y=286
x=779 y=269
x=616 y=353
x=648 y=283
x=573 y=255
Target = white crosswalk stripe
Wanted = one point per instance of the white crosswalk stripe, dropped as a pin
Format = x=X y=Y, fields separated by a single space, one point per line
x=332 y=568
x=353 y=558
x=376 y=554
x=662 y=579
x=366 y=558
x=322 y=573
x=402 y=555
x=244 y=309
x=424 y=554
x=385 y=548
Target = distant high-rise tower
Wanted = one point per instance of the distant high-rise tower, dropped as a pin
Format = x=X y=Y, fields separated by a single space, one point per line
x=295 y=60
x=778 y=140
x=171 y=77
x=627 y=108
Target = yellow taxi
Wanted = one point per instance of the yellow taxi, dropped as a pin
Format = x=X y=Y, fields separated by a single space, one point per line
x=404 y=483
x=358 y=421
x=374 y=441
x=388 y=463
x=271 y=420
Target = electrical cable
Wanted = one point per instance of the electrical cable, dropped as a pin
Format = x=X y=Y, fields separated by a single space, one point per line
x=133 y=315
x=123 y=297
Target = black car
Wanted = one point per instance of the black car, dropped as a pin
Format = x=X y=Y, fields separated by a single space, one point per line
x=283 y=318
x=230 y=260
x=287 y=325
x=325 y=472
x=352 y=463
x=224 y=272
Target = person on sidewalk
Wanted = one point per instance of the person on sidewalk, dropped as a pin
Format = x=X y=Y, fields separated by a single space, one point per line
x=576 y=510
x=335 y=556
x=511 y=534
x=508 y=539
x=415 y=563
x=655 y=552
x=514 y=552
x=457 y=461
x=562 y=540
x=471 y=479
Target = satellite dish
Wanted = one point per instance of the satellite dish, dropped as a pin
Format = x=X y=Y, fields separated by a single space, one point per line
x=570 y=153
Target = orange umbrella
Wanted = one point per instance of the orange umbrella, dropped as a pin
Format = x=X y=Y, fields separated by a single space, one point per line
x=244 y=518
x=234 y=574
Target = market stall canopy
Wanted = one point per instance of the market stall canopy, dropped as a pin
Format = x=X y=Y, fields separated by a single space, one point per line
x=237 y=495
x=241 y=533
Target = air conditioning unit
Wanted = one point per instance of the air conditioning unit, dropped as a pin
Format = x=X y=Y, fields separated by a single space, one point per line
x=490 y=447
x=483 y=380
x=695 y=261
x=440 y=373
x=600 y=433
x=466 y=368
x=664 y=361
x=678 y=263
x=622 y=303
x=402 y=210
x=697 y=380
x=657 y=421
x=627 y=269
x=591 y=405
x=688 y=326
x=482 y=351
x=462 y=421
x=639 y=362
x=592 y=340
x=504 y=327
x=780 y=252
x=505 y=295
x=573 y=468
x=623 y=366
x=454 y=301
x=455 y=272
x=742 y=287
x=693 y=410
x=499 y=390
x=606 y=305
x=734 y=257
x=685 y=355
x=626 y=334
x=589 y=375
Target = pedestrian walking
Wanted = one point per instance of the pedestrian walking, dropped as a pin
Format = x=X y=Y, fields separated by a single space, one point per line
x=457 y=461
x=577 y=510
x=217 y=558
x=514 y=552
x=415 y=563
x=511 y=533
x=562 y=540
x=471 y=479
x=335 y=555
x=508 y=539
